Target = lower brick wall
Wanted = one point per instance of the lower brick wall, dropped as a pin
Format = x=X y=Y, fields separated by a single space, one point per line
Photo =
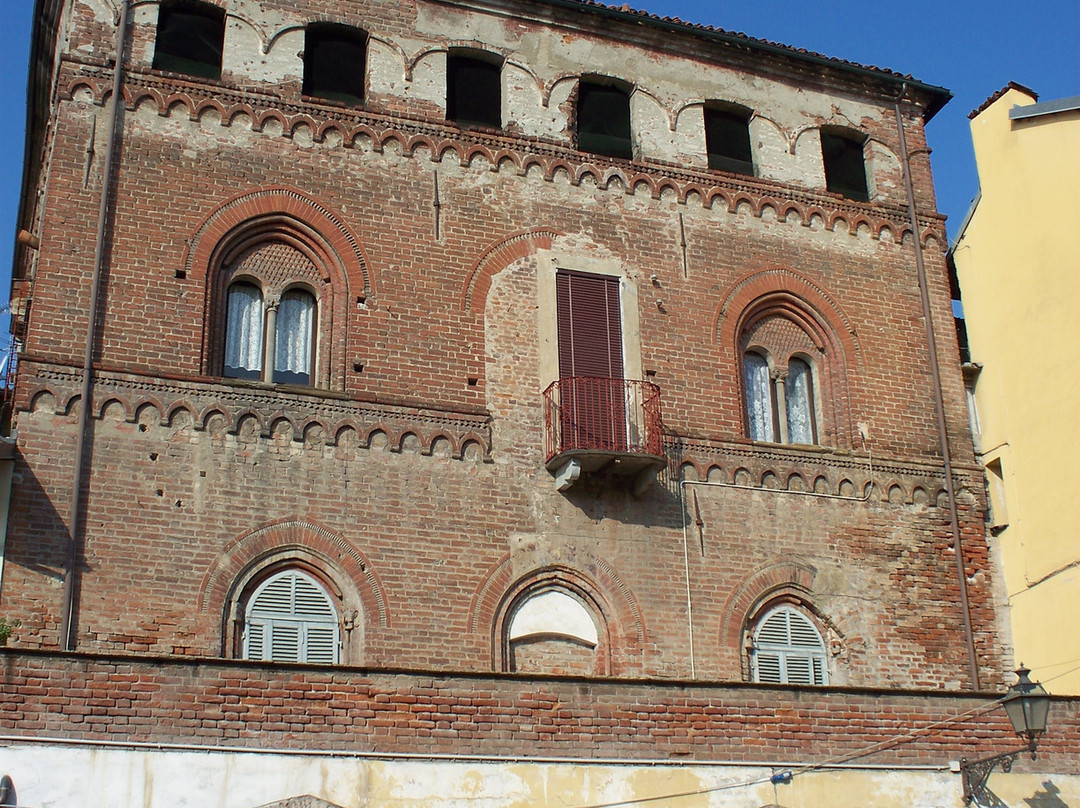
x=221 y=703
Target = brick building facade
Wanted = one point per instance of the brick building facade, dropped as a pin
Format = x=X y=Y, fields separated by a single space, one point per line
x=533 y=367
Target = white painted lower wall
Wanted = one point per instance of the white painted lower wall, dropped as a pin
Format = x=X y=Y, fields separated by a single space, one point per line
x=59 y=775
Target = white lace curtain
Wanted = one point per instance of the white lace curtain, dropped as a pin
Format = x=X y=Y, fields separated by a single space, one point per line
x=798 y=391
x=759 y=406
x=244 y=332
x=293 y=349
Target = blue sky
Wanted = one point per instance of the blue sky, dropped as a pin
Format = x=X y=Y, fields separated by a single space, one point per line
x=972 y=47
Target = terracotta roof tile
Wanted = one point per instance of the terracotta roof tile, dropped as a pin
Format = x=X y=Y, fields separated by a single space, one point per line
x=710 y=29
x=1012 y=85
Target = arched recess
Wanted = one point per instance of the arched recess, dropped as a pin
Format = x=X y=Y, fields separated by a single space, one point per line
x=552 y=644
x=339 y=567
x=789 y=299
x=621 y=634
x=496 y=257
x=328 y=257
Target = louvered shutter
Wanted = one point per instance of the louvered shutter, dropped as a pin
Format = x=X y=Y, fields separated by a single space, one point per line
x=284 y=642
x=291 y=619
x=253 y=640
x=767 y=668
x=590 y=329
x=592 y=409
x=321 y=644
x=788 y=650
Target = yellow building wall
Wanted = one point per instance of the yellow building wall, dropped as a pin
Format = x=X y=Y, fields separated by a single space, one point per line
x=1018 y=262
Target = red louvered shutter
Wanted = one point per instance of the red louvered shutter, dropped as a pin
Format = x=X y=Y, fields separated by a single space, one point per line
x=593 y=408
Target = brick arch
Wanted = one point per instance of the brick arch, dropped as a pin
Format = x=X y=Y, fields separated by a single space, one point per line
x=763 y=584
x=781 y=284
x=604 y=590
x=496 y=257
x=325 y=550
x=291 y=209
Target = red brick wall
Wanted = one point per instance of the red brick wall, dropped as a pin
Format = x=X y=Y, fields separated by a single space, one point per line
x=415 y=480
x=163 y=700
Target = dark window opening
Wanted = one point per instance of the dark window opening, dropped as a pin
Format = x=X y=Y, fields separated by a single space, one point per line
x=474 y=89
x=190 y=37
x=958 y=310
x=727 y=139
x=845 y=166
x=603 y=119
x=335 y=58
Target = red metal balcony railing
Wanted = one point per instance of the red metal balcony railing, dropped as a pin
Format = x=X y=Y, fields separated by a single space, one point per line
x=585 y=414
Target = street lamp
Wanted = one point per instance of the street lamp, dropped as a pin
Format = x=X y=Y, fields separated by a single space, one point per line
x=1026 y=704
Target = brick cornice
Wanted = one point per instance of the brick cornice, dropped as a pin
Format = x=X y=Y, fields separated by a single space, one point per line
x=210 y=402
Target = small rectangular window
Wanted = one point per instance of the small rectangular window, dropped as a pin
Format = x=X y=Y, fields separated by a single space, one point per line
x=474 y=90
x=334 y=63
x=727 y=140
x=190 y=39
x=845 y=165
x=603 y=119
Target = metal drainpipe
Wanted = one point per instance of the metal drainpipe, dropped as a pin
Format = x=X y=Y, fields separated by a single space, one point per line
x=68 y=638
x=939 y=401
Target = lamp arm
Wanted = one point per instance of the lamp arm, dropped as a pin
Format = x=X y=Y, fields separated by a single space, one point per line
x=975 y=773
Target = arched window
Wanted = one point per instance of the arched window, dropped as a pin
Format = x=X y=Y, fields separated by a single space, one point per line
x=552 y=632
x=727 y=138
x=290 y=618
x=781 y=359
x=190 y=38
x=474 y=88
x=786 y=648
x=266 y=342
x=842 y=152
x=335 y=62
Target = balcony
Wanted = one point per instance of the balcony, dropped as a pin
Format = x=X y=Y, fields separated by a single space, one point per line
x=600 y=425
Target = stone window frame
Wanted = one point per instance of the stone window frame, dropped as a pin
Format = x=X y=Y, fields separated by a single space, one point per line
x=549 y=262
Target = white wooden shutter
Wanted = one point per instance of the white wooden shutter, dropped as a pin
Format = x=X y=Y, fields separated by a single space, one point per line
x=788 y=649
x=290 y=618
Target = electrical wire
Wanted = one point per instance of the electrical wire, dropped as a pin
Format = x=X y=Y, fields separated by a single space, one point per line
x=680 y=794
x=790 y=773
